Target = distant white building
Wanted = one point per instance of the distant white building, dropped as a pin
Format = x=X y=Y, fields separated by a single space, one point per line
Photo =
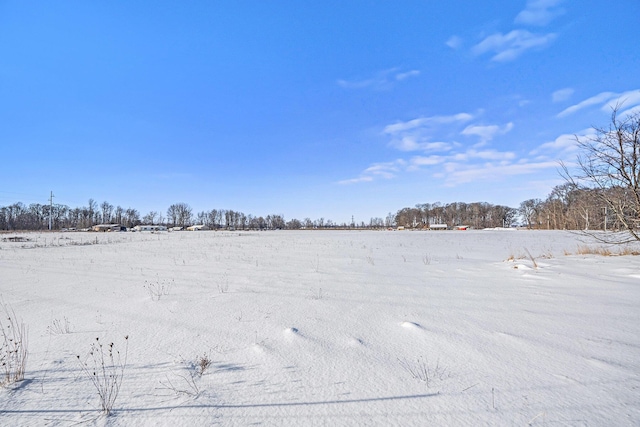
x=438 y=226
x=198 y=228
x=108 y=227
x=151 y=228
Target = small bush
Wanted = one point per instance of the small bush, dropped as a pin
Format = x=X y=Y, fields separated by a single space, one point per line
x=104 y=366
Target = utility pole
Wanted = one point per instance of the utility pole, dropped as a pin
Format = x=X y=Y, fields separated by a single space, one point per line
x=50 y=209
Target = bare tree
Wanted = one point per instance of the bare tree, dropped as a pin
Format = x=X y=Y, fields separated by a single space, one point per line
x=150 y=218
x=107 y=210
x=609 y=163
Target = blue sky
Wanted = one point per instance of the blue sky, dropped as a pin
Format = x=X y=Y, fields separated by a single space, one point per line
x=305 y=108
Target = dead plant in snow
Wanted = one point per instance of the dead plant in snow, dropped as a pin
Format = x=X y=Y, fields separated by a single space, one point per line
x=202 y=364
x=422 y=371
x=13 y=347
x=158 y=289
x=604 y=251
x=533 y=260
x=59 y=327
x=187 y=384
x=104 y=366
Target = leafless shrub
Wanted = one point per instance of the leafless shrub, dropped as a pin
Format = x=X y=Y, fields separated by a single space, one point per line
x=59 y=327
x=104 y=366
x=426 y=259
x=13 y=346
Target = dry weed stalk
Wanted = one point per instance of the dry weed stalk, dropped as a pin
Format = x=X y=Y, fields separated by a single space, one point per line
x=158 y=289
x=59 y=327
x=421 y=371
x=533 y=260
x=604 y=251
x=13 y=347
x=105 y=368
x=202 y=364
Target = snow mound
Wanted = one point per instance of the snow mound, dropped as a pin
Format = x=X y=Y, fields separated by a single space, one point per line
x=410 y=325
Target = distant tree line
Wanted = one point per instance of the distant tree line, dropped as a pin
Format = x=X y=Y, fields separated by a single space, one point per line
x=476 y=215
x=571 y=207
x=567 y=207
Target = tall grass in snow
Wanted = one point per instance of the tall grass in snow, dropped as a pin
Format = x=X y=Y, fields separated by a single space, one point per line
x=13 y=347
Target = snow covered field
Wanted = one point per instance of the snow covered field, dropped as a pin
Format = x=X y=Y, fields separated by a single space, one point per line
x=326 y=328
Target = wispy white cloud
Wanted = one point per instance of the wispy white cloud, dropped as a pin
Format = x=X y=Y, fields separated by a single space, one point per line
x=607 y=101
x=562 y=94
x=406 y=75
x=386 y=170
x=483 y=155
x=452 y=162
x=539 y=12
x=410 y=143
x=454 y=42
x=460 y=173
x=425 y=122
x=459 y=168
x=424 y=133
x=384 y=79
x=510 y=46
x=626 y=101
x=417 y=161
x=487 y=133
x=564 y=145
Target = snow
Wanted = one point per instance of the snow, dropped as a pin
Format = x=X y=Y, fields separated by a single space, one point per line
x=403 y=328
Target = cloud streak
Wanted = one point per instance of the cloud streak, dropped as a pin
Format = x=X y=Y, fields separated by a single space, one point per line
x=386 y=170
x=561 y=95
x=382 y=80
x=487 y=133
x=539 y=12
x=607 y=102
x=443 y=157
x=510 y=46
